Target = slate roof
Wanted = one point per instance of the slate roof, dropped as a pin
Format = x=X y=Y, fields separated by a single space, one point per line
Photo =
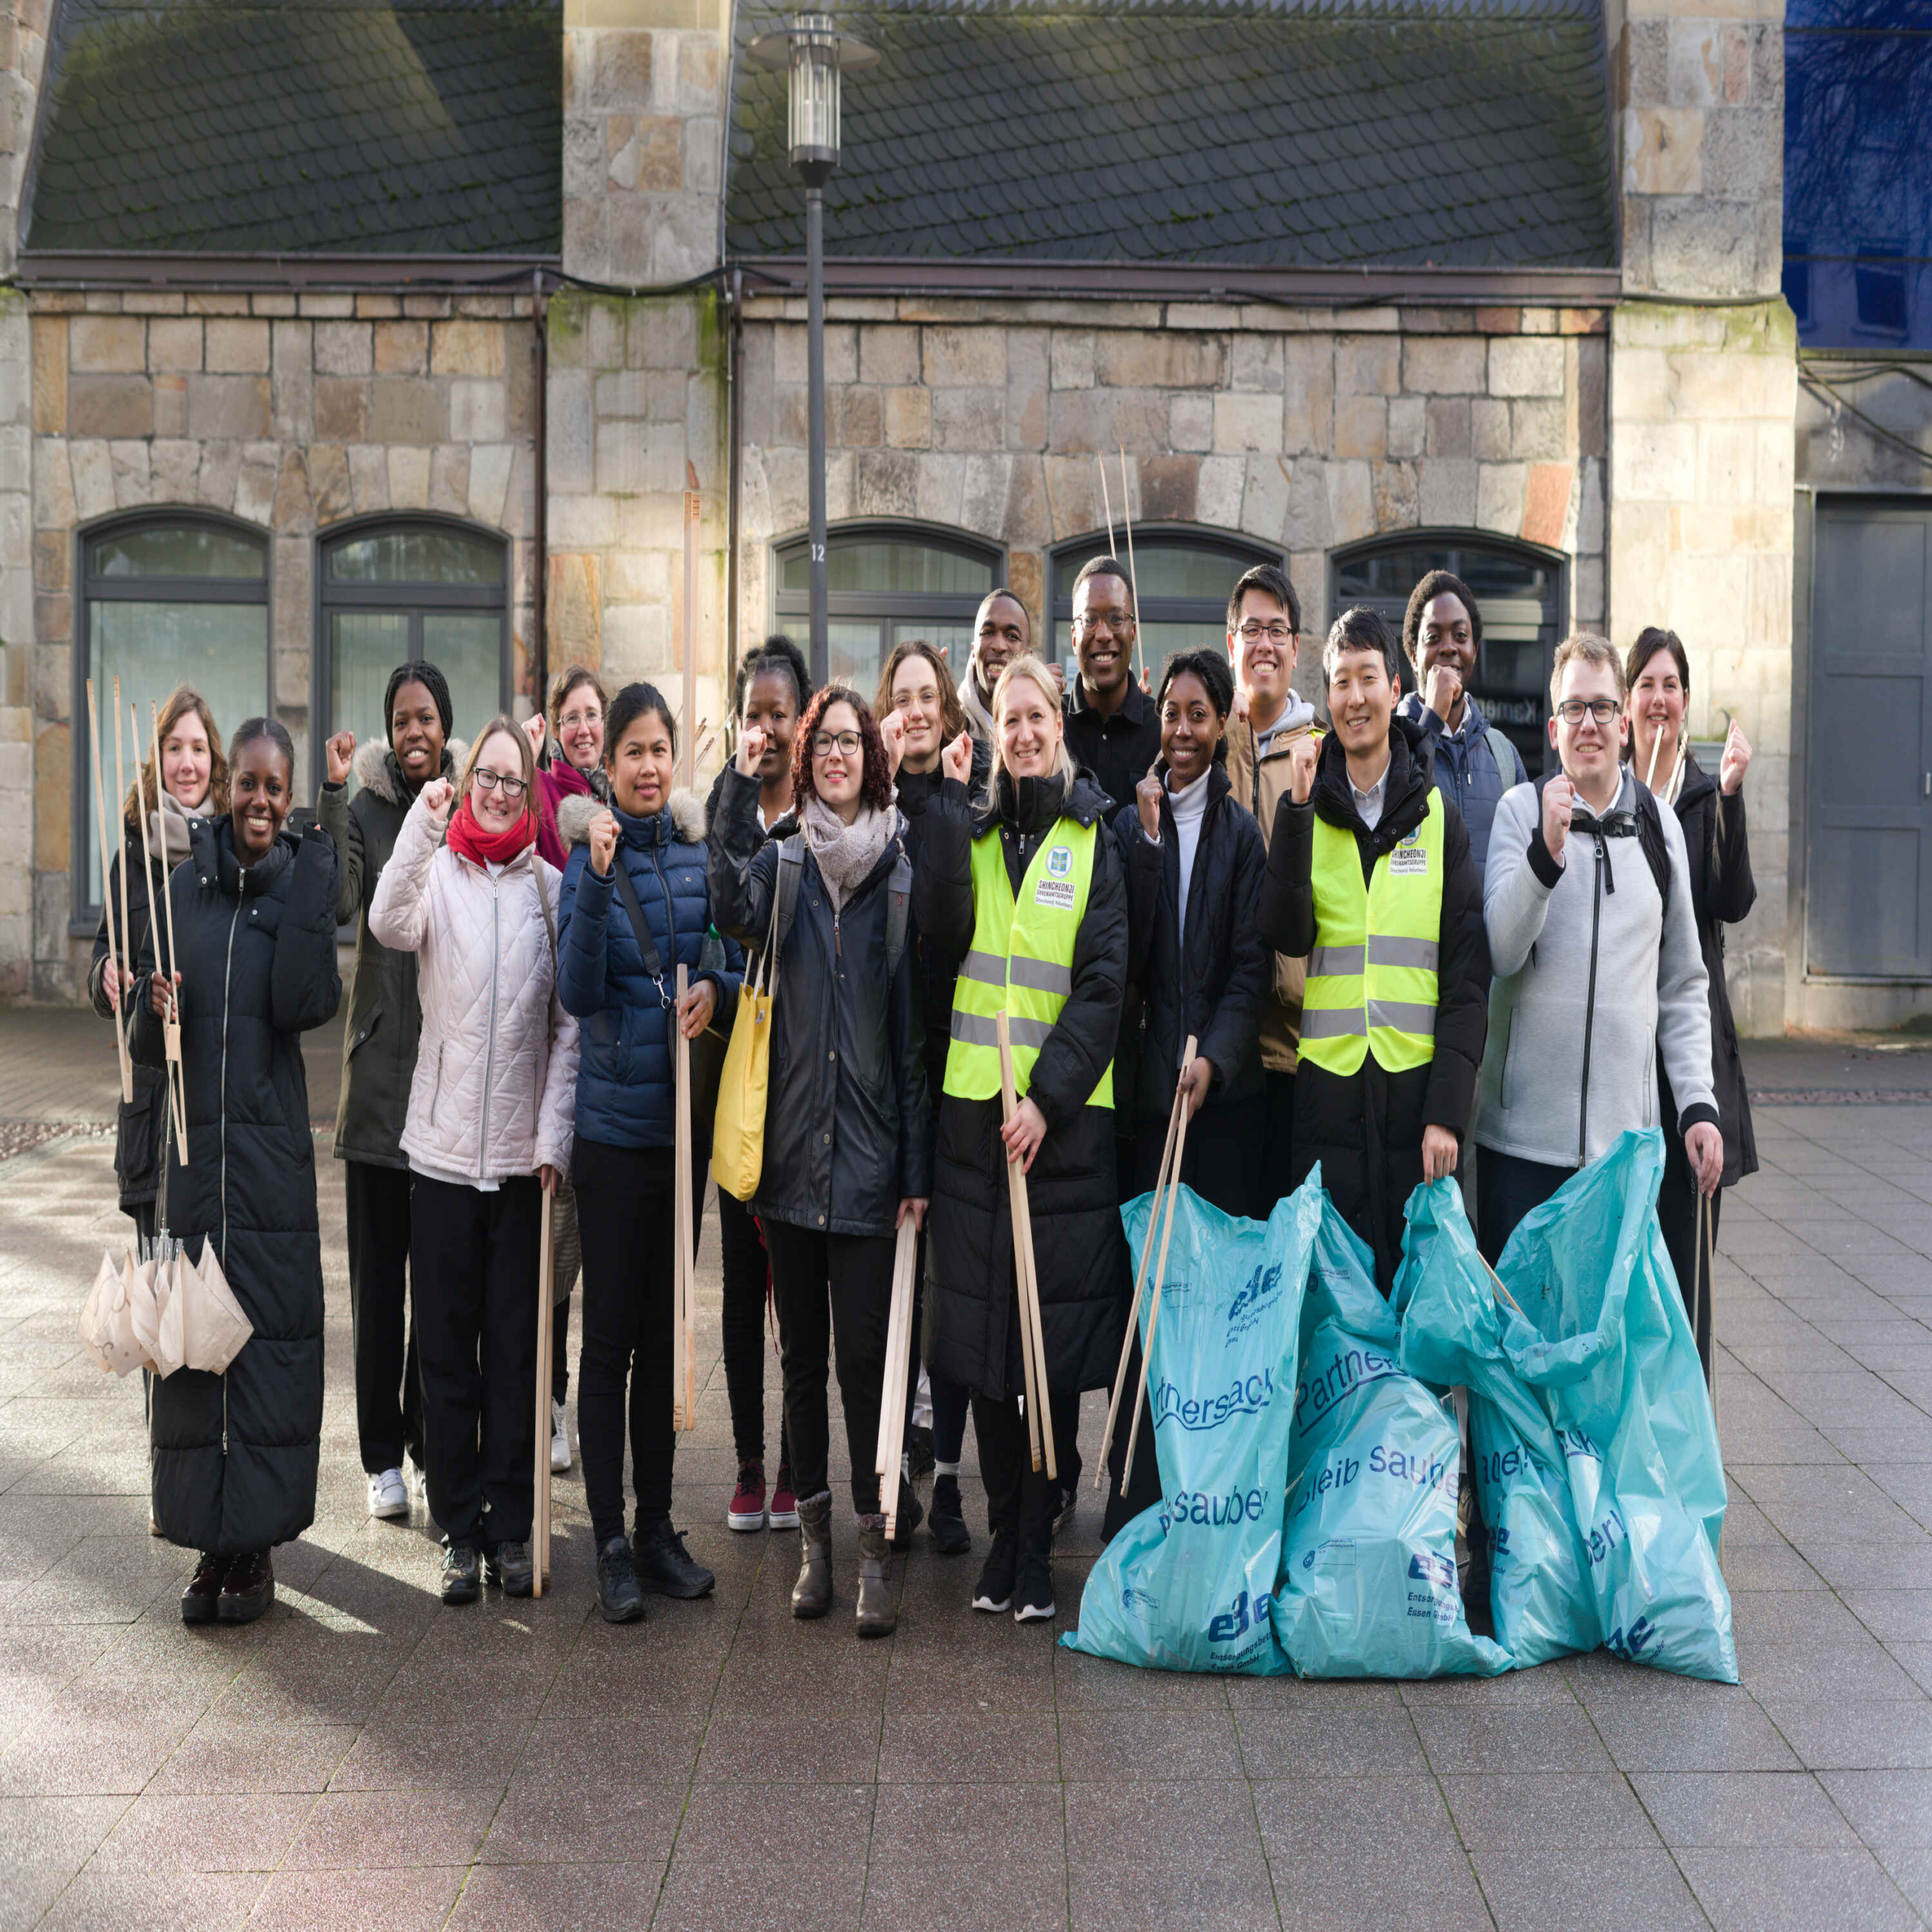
x=1272 y=133
x=376 y=127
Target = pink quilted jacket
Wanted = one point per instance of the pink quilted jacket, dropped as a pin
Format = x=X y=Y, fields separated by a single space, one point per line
x=495 y=1089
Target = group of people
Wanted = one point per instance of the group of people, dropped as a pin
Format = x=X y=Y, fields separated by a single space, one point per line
x=1394 y=953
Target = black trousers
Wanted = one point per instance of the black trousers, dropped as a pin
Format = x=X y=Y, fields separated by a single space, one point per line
x=951 y=1400
x=566 y=1258
x=1224 y=1161
x=747 y=1273
x=830 y=1287
x=473 y=1257
x=1020 y=1498
x=1507 y=1188
x=1278 y=1138
x=1677 y=1215
x=625 y=1209
x=389 y=1391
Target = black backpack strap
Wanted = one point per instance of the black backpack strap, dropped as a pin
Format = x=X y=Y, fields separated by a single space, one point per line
x=1650 y=835
x=897 y=910
x=653 y=960
x=791 y=871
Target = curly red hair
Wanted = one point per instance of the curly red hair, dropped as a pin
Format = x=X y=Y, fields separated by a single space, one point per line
x=876 y=787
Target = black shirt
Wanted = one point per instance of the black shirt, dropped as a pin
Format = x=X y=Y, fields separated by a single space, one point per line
x=1119 y=751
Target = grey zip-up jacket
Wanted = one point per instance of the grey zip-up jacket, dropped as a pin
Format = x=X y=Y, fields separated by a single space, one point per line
x=1593 y=978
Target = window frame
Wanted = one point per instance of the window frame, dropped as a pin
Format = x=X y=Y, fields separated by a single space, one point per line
x=1560 y=563
x=399 y=597
x=858 y=606
x=84 y=918
x=1065 y=559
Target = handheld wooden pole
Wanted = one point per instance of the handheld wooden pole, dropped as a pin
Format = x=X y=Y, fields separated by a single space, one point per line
x=1016 y=1190
x=162 y=915
x=1154 y=1306
x=1133 y=577
x=1676 y=769
x=1650 y=772
x=1107 y=502
x=691 y=511
x=684 y=1368
x=1162 y=1180
x=1706 y=1247
x=898 y=1369
x=1036 y=1328
x=540 y=1528
x=121 y=792
x=116 y=954
x=1500 y=1289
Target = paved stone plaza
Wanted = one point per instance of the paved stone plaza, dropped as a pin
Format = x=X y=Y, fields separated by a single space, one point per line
x=364 y=1758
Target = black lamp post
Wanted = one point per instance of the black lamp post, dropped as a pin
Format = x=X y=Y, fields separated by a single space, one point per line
x=814 y=54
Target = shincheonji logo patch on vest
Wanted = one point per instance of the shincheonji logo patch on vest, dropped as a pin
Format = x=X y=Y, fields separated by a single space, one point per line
x=1021 y=961
x=1371 y=978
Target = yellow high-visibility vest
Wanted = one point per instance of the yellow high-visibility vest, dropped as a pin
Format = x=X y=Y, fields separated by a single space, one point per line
x=1371 y=977
x=1022 y=960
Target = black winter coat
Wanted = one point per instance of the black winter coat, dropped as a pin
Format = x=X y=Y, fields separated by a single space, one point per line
x=1366 y=1128
x=1213 y=986
x=385 y=1010
x=1722 y=892
x=847 y=1132
x=938 y=974
x=234 y=1456
x=138 y=1123
x=972 y=1331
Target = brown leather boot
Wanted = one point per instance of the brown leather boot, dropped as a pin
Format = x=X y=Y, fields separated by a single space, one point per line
x=811 y=1594
x=879 y=1607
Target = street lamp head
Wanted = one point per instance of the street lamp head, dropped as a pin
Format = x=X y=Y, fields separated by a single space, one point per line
x=814 y=54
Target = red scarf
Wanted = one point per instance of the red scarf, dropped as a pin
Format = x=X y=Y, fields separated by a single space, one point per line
x=468 y=839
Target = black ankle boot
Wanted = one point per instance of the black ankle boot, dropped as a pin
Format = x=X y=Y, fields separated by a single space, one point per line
x=951 y=1537
x=200 y=1600
x=248 y=1588
x=664 y=1564
x=912 y=1514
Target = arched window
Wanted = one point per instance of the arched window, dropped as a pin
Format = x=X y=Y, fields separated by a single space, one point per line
x=1183 y=577
x=886 y=582
x=177 y=598
x=1523 y=599
x=414 y=588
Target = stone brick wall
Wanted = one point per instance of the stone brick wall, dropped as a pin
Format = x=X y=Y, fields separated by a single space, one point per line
x=1305 y=428
x=636 y=390
x=291 y=413
x=1700 y=93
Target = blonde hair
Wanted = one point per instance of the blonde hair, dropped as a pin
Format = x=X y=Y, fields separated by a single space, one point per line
x=1033 y=669
x=1585 y=647
x=508 y=726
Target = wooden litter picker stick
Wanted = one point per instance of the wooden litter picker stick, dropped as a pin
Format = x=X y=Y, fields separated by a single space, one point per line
x=176 y=1071
x=540 y=1526
x=121 y=792
x=1154 y=1306
x=1107 y=502
x=898 y=1372
x=1161 y=1180
x=1133 y=577
x=1032 y=1351
x=117 y=955
x=689 y=720
x=684 y=1370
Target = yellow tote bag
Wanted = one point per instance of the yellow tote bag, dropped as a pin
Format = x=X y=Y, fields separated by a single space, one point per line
x=737 y=1134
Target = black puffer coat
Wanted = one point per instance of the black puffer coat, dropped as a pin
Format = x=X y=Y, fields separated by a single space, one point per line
x=972 y=1333
x=937 y=974
x=385 y=1011
x=1366 y=1128
x=234 y=1456
x=847 y=1133
x=138 y=1122
x=1213 y=986
x=1722 y=892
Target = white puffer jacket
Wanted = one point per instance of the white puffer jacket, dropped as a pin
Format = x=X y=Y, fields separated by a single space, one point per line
x=495 y=1086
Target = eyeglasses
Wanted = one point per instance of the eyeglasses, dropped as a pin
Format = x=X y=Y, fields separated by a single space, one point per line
x=512 y=788
x=845 y=743
x=1603 y=709
x=1256 y=633
x=1090 y=621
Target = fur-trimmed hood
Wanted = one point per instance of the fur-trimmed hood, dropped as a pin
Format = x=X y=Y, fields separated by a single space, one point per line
x=574 y=814
x=377 y=769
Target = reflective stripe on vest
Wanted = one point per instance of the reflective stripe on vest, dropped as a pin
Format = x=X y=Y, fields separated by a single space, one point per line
x=1021 y=962
x=1371 y=977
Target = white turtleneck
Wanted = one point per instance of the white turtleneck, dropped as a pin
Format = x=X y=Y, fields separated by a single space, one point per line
x=1189 y=805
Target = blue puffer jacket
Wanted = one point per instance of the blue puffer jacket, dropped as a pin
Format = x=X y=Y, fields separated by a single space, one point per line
x=624 y=1063
x=1466 y=772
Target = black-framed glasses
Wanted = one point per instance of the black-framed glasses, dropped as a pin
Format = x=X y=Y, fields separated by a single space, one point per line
x=1603 y=709
x=1090 y=621
x=512 y=787
x=845 y=743
x=1259 y=633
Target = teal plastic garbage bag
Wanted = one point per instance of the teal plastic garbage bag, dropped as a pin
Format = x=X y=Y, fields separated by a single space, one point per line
x=1187 y=1584
x=1368 y=1585
x=1541 y=1600
x=1603 y=1341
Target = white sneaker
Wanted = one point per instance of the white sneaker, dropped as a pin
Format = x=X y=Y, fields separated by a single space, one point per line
x=560 y=1438
x=387 y=1496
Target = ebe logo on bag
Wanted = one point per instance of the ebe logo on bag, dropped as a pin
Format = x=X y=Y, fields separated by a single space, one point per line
x=1056 y=887
x=1248 y=1613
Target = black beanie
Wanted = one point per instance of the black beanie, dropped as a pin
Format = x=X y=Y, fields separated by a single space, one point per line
x=431 y=679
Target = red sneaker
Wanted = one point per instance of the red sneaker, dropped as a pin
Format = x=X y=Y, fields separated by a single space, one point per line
x=783 y=1514
x=747 y=1509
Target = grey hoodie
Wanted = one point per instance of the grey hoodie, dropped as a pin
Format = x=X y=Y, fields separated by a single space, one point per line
x=1577 y=1016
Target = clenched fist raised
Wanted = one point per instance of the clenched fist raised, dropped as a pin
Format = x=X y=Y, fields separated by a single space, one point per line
x=437 y=796
x=1302 y=756
x=1559 y=798
x=341 y=750
x=603 y=843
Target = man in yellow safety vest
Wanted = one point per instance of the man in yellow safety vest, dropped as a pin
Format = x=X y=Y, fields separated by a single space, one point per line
x=1370 y=875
